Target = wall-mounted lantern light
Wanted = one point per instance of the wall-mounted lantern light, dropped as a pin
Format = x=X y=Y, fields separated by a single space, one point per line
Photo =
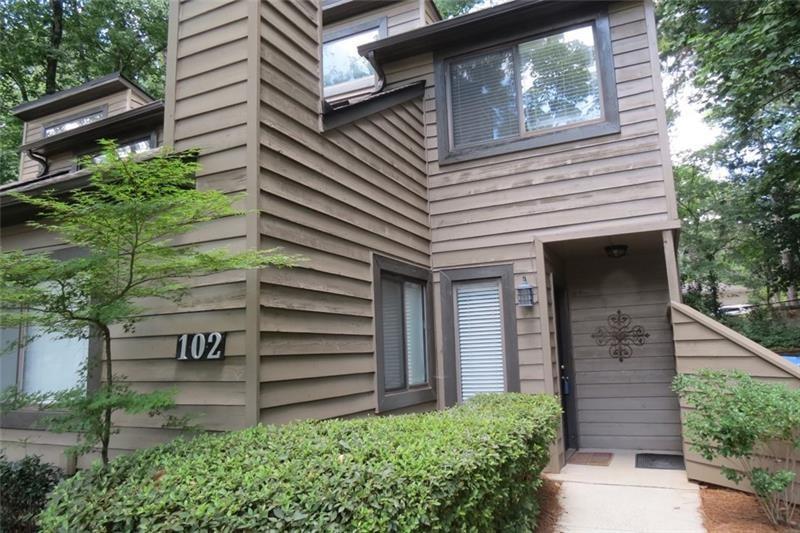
x=525 y=294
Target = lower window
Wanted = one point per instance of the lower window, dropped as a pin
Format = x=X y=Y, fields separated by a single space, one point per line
x=479 y=332
x=46 y=363
x=403 y=334
x=479 y=338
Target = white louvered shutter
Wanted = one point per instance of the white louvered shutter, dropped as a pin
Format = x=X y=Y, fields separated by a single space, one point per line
x=479 y=327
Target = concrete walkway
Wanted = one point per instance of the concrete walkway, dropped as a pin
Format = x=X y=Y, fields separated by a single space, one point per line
x=622 y=498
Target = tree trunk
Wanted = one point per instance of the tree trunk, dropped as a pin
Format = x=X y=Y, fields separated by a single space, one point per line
x=56 y=33
x=105 y=438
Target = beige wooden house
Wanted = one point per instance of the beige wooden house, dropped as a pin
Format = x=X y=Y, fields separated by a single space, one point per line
x=484 y=203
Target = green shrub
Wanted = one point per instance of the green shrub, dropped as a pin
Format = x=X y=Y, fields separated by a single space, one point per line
x=755 y=425
x=24 y=486
x=768 y=329
x=474 y=467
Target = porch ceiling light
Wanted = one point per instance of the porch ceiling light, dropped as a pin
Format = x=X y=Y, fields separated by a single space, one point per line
x=615 y=251
x=526 y=296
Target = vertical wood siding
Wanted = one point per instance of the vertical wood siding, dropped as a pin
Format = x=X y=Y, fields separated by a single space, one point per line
x=625 y=404
x=333 y=198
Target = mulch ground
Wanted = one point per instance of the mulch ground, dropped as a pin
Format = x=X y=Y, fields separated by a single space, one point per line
x=549 y=505
x=732 y=511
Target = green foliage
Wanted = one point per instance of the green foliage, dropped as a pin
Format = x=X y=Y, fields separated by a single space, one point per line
x=768 y=329
x=25 y=486
x=743 y=60
x=127 y=222
x=98 y=37
x=453 y=8
x=710 y=235
x=474 y=467
x=748 y=422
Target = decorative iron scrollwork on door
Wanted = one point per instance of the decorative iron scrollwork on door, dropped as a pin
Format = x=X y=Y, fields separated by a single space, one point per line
x=620 y=335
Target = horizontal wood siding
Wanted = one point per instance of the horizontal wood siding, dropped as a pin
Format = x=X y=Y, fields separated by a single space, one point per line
x=625 y=404
x=333 y=198
x=400 y=17
x=489 y=210
x=701 y=342
x=206 y=56
x=117 y=103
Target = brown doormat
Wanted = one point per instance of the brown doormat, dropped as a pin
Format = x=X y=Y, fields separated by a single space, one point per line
x=591 y=458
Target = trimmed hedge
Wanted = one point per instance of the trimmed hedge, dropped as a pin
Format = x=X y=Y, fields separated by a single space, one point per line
x=474 y=467
x=24 y=486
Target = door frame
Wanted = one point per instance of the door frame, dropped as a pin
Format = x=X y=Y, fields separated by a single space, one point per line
x=566 y=363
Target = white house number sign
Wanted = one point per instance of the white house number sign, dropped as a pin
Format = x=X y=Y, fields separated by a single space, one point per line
x=201 y=346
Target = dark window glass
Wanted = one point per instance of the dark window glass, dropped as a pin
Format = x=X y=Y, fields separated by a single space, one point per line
x=403 y=326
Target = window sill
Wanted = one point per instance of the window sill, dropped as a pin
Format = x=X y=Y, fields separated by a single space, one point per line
x=577 y=133
x=405 y=398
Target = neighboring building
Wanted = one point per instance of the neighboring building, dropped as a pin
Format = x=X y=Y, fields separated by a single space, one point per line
x=523 y=145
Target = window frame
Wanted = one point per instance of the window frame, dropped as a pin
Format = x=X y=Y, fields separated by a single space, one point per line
x=151 y=136
x=504 y=275
x=388 y=400
x=347 y=30
x=55 y=122
x=29 y=417
x=607 y=124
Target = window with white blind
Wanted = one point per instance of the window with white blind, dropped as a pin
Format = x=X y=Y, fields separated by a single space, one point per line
x=539 y=89
x=403 y=347
x=479 y=332
x=479 y=338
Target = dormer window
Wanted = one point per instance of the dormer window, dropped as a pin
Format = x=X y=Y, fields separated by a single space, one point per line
x=539 y=89
x=344 y=71
x=74 y=122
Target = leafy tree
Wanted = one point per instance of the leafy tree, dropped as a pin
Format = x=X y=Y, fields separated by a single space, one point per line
x=743 y=60
x=126 y=222
x=454 y=8
x=49 y=45
x=710 y=235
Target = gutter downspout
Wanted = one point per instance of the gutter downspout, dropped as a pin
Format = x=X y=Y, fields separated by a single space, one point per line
x=378 y=68
x=42 y=160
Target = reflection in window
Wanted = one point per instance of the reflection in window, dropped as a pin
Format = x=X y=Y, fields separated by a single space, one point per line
x=134 y=147
x=527 y=87
x=483 y=96
x=73 y=123
x=559 y=81
x=342 y=68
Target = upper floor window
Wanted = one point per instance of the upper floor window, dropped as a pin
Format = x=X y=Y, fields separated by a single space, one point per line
x=343 y=69
x=532 y=91
x=71 y=123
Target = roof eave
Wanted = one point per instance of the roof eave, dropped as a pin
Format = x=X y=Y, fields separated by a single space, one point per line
x=462 y=28
x=148 y=114
x=67 y=98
